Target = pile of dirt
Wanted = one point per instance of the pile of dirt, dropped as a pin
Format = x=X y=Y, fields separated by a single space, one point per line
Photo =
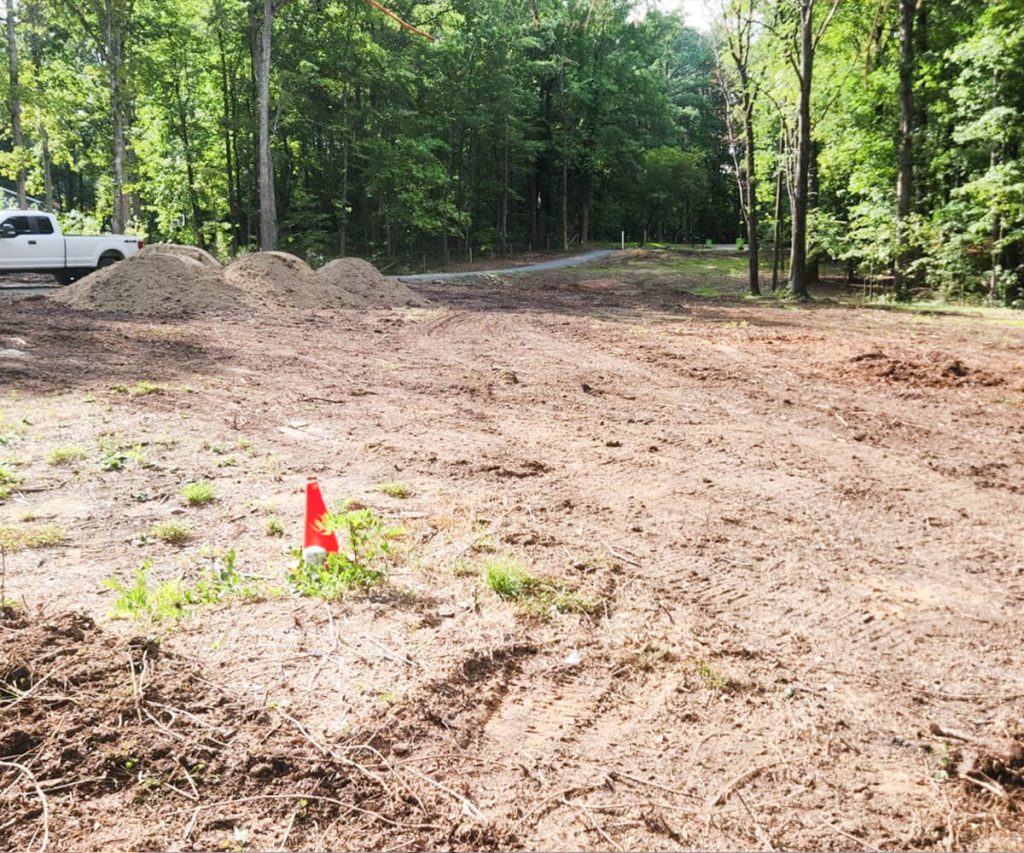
x=940 y=370
x=155 y=755
x=156 y=284
x=274 y=279
x=193 y=252
x=359 y=284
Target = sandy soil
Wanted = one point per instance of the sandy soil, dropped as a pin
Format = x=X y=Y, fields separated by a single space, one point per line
x=802 y=526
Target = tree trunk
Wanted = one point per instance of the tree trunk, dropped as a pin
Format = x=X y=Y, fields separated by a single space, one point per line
x=234 y=191
x=268 y=210
x=113 y=47
x=44 y=139
x=15 y=98
x=905 y=179
x=190 y=172
x=777 y=228
x=750 y=213
x=801 y=179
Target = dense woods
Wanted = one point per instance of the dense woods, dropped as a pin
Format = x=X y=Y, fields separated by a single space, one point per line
x=882 y=135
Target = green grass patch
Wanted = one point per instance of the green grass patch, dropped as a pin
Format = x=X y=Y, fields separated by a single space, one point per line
x=199 y=494
x=509 y=580
x=30 y=538
x=173 y=533
x=275 y=527
x=393 y=490
x=66 y=455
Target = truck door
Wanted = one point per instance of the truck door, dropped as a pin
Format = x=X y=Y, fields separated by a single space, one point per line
x=49 y=243
x=28 y=242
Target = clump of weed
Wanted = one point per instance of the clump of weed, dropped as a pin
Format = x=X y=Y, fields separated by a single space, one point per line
x=8 y=479
x=507 y=578
x=172 y=533
x=199 y=494
x=146 y=599
x=115 y=460
x=143 y=388
x=712 y=679
x=66 y=455
x=394 y=490
x=30 y=538
x=220 y=580
x=275 y=527
x=463 y=568
x=149 y=600
x=366 y=555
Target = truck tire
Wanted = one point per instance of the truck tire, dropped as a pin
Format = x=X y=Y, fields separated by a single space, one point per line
x=66 y=277
x=108 y=258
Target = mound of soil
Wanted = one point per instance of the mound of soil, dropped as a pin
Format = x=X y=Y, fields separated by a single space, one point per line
x=158 y=284
x=193 y=252
x=112 y=743
x=940 y=370
x=277 y=279
x=358 y=283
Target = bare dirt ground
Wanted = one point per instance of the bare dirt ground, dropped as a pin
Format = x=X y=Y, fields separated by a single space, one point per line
x=802 y=526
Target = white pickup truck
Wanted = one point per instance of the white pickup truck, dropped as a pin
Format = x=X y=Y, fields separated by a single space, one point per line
x=31 y=241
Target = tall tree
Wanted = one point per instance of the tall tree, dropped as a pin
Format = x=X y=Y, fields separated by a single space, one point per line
x=15 y=101
x=905 y=180
x=738 y=23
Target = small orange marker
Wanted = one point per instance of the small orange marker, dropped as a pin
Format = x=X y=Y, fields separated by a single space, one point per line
x=316 y=509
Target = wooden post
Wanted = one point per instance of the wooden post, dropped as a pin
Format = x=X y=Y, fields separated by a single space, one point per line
x=623 y=241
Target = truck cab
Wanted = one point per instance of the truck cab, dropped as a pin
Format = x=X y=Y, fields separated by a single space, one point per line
x=31 y=241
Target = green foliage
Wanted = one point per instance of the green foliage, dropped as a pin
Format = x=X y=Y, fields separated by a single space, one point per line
x=275 y=527
x=146 y=599
x=366 y=555
x=199 y=494
x=8 y=479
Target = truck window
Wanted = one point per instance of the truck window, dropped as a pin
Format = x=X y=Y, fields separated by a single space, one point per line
x=20 y=223
x=41 y=225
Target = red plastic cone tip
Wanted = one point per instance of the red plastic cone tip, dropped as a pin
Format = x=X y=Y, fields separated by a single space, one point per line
x=315 y=512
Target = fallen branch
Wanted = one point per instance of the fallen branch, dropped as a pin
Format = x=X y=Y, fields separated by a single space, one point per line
x=738 y=782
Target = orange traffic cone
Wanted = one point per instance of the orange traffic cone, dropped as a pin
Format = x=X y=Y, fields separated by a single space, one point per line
x=316 y=537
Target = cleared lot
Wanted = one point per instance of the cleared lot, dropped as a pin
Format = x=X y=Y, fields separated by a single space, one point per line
x=794 y=535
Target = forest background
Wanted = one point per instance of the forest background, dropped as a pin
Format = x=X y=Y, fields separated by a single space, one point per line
x=880 y=135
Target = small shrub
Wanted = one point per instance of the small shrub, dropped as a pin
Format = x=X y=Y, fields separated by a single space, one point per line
x=366 y=556
x=66 y=455
x=172 y=533
x=275 y=527
x=199 y=494
x=394 y=490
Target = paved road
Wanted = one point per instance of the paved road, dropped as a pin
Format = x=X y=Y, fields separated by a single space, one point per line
x=560 y=263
